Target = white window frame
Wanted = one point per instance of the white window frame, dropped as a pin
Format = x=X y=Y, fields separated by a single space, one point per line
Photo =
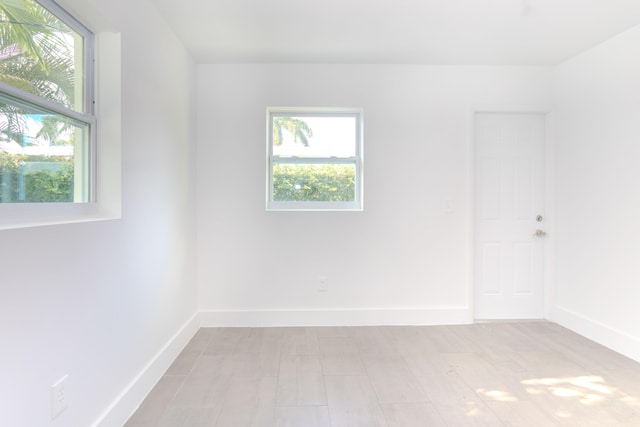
x=88 y=54
x=106 y=195
x=357 y=160
x=85 y=162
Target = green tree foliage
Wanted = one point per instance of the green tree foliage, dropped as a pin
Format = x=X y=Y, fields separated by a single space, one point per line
x=50 y=186
x=53 y=184
x=333 y=183
x=9 y=177
x=35 y=56
x=11 y=161
x=298 y=128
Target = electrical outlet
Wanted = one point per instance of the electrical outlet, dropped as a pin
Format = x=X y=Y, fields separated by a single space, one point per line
x=59 y=397
x=323 y=284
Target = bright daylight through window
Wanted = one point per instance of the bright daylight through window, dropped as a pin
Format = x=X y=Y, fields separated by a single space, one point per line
x=47 y=125
x=315 y=159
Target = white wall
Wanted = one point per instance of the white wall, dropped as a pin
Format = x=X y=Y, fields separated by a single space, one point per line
x=402 y=260
x=598 y=171
x=98 y=301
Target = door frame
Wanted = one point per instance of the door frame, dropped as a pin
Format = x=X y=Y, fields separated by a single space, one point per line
x=550 y=202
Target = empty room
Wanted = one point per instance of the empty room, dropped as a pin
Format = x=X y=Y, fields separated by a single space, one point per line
x=331 y=213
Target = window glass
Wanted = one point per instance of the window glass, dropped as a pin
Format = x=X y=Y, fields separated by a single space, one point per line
x=308 y=136
x=41 y=54
x=38 y=161
x=314 y=182
x=46 y=122
x=315 y=159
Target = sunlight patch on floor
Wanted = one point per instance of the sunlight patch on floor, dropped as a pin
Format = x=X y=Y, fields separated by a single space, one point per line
x=587 y=389
x=473 y=411
x=565 y=392
x=500 y=395
x=563 y=413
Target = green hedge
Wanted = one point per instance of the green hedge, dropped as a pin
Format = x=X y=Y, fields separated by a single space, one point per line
x=20 y=183
x=335 y=183
x=49 y=186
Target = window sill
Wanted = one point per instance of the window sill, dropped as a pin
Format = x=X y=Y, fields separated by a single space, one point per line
x=26 y=215
x=315 y=206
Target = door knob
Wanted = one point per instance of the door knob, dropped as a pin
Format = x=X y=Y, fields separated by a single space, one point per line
x=539 y=233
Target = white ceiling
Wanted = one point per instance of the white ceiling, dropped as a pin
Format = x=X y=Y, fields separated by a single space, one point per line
x=497 y=32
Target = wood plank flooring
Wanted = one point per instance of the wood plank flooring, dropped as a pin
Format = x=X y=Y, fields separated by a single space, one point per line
x=490 y=374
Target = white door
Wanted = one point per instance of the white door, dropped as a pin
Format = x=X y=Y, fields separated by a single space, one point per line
x=509 y=211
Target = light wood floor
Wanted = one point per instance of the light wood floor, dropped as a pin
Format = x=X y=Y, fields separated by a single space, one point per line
x=492 y=374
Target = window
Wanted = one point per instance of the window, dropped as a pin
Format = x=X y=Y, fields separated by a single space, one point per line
x=315 y=159
x=47 y=122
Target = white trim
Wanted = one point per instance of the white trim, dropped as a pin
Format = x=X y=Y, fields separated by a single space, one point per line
x=357 y=160
x=311 y=111
x=612 y=338
x=551 y=215
x=341 y=317
x=26 y=100
x=128 y=401
x=550 y=197
x=62 y=14
x=315 y=160
x=85 y=148
x=130 y=398
x=314 y=206
x=471 y=223
x=106 y=172
x=88 y=71
x=88 y=59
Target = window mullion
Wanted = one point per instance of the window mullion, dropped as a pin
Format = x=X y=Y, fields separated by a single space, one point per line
x=314 y=160
x=49 y=136
x=21 y=98
x=307 y=176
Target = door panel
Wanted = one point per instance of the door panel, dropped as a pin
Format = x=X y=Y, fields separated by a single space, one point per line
x=509 y=190
x=491 y=174
x=523 y=183
x=491 y=279
x=522 y=257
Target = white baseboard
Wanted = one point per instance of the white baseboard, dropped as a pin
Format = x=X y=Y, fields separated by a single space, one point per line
x=346 y=317
x=134 y=393
x=125 y=404
x=618 y=341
